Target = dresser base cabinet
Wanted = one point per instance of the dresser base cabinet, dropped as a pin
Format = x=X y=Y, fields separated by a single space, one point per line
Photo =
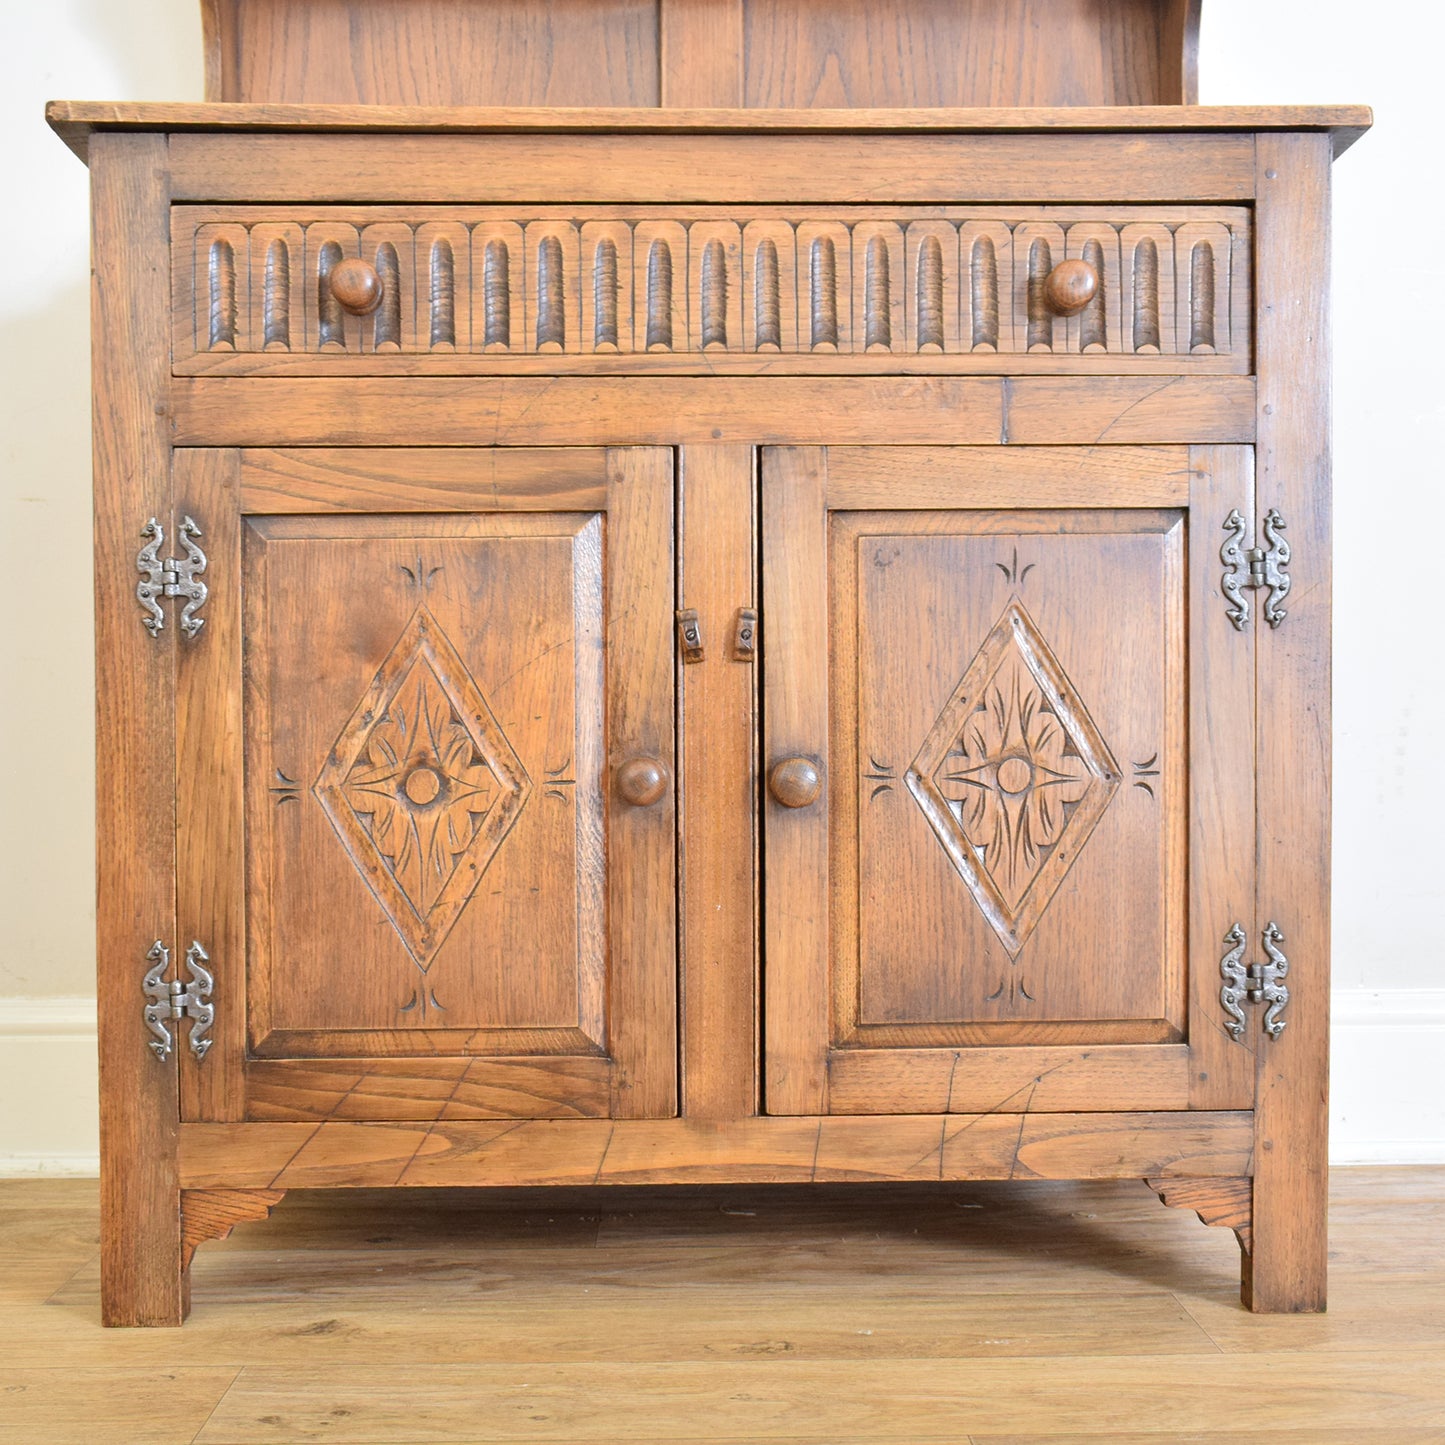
x=727 y=692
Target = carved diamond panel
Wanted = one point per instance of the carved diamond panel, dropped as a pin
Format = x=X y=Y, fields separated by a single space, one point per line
x=422 y=786
x=1013 y=777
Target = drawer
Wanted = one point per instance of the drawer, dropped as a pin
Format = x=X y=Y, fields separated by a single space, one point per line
x=697 y=289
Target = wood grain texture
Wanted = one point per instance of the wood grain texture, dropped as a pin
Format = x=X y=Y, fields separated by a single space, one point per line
x=76 y=121
x=1156 y=410
x=1029 y=1275
x=136 y=694
x=423 y=479
x=1293 y=692
x=920 y=478
x=797 y=1149
x=718 y=893
x=209 y=793
x=1075 y=1304
x=760 y=168
x=431 y=52
x=782 y=53
x=928 y=946
x=469 y=1087
x=665 y=411
x=1077 y=1399
x=992 y=52
x=214 y=1213
x=642 y=842
x=1226 y=1202
x=700 y=44
x=795 y=725
x=1221 y=779
x=1010 y=1079
x=425 y=784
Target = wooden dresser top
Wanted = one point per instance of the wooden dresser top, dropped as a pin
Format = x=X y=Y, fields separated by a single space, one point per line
x=75 y=121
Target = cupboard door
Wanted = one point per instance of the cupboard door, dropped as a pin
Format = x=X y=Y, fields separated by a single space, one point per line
x=426 y=809
x=1002 y=852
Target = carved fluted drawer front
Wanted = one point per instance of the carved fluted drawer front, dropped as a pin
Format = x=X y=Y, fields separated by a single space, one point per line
x=763 y=289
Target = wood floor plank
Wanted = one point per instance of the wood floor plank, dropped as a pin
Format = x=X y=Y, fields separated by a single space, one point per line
x=990 y=1313
x=889 y=1400
x=550 y=1278
x=30 y=1281
x=1369 y=1309
x=70 y=1406
x=621 y=1324
x=1388 y=1436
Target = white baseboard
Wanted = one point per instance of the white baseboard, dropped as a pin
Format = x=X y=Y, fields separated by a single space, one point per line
x=1387 y=1076
x=1387 y=1103
x=49 y=1087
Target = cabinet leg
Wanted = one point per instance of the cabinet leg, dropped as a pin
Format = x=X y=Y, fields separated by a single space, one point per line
x=143 y=1279
x=1285 y=1271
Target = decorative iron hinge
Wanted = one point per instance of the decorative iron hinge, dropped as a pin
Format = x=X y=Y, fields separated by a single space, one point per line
x=170 y=999
x=1255 y=567
x=1255 y=982
x=177 y=577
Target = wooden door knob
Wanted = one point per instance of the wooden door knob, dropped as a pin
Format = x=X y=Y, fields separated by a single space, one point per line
x=795 y=782
x=356 y=286
x=1070 y=286
x=642 y=781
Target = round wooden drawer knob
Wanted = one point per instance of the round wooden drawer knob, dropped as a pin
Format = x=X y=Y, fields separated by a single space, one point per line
x=356 y=286
x=795 y=782
x=1070 y=286
x=642 y=781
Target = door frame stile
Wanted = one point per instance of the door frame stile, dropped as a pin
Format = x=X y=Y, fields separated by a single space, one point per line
x=795 y=723
x=717 y=787
x=1221 y=795
x=1293 y=689
x=211 y=867
x=142 y=1282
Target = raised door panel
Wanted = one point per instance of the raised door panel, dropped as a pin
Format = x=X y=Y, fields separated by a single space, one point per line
x=445 y=908
x=995 y=699
x=986 y=655
x=423 y=697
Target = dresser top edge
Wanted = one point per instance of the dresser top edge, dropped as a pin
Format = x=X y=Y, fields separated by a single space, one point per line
x=75 y=121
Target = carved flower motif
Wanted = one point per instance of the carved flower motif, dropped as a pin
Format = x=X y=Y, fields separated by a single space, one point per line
x=1012 y=778
x=423 y=786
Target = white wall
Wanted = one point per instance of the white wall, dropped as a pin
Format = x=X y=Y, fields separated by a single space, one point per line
x=1389 y=789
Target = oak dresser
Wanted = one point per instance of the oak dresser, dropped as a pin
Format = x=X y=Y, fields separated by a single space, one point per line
x=704 y=591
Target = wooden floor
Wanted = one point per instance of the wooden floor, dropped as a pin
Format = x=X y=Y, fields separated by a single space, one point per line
x=996 y=1314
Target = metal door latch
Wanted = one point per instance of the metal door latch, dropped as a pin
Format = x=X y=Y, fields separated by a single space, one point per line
x=689 y=634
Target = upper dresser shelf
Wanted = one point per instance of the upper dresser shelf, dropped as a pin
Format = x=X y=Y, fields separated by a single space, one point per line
x=755 y=54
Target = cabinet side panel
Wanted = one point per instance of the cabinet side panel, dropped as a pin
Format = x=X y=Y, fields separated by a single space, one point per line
x=141 y=1279
x=1291 y=1149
